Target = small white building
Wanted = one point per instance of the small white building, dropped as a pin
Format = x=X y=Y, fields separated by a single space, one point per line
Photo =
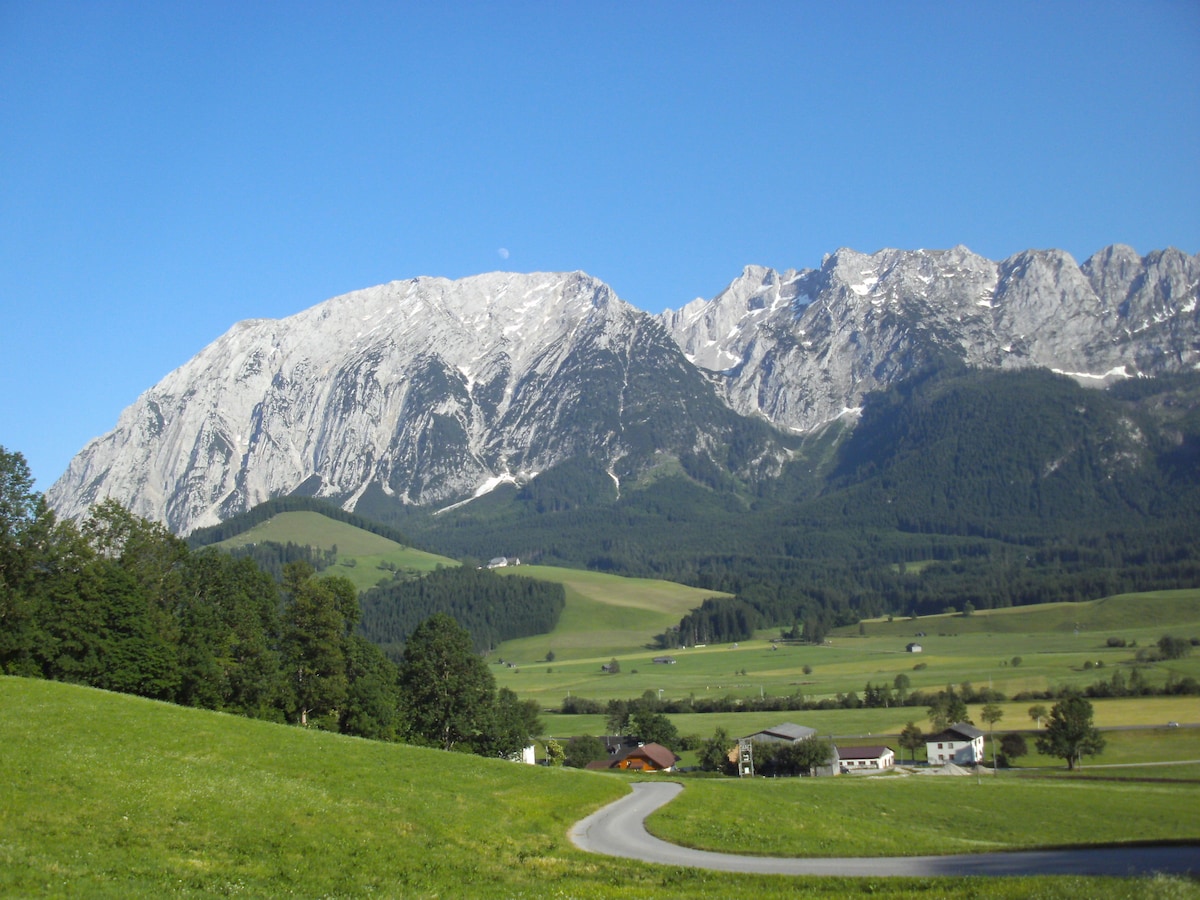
x=914 y=647
x=860 y=759
x=961 y=744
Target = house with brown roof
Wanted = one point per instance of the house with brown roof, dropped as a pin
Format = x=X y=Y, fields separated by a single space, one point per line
x=646 y=758
x=862 y=759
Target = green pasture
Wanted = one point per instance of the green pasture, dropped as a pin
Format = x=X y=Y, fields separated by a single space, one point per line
x=1117 y=615
x=605 y=615
x=923 y=814
x=360 y=553
x=104 y=795
x=844 y=665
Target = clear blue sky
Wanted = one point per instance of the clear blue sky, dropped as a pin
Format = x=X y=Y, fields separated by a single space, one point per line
x=167 y=169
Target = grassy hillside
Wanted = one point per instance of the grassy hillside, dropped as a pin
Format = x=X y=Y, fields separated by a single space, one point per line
x=605 y=614
x=360 y=553
x=104 y=795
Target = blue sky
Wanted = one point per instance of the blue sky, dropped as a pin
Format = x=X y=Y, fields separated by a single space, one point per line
x=167 y=169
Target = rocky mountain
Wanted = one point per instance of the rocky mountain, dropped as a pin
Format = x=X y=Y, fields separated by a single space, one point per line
x=430 y=391
x=425 y=391
x=800 y=347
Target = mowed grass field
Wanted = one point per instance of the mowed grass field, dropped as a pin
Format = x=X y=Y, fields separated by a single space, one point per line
x=605 y=616
x=891 y=816
x=360 y=553
x=1014 y=650
x=103 y=795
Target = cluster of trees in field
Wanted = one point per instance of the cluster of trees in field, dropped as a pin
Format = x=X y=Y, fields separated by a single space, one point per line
x=881 y=695
x=119 y=603
x=493 y=608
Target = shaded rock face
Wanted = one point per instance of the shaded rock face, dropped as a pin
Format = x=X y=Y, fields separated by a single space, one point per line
x=431 y=391
x=799 y=347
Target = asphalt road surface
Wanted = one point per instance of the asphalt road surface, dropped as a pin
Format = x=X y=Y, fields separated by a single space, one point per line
x=619 y=830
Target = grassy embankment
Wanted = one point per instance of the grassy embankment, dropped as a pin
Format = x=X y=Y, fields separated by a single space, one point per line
x=103 y=795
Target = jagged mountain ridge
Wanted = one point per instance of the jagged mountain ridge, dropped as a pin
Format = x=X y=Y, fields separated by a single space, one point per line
x=799 y=347
x=429 y=391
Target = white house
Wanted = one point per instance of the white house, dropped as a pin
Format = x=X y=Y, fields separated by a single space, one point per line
x=961 y=744
x=860 y=759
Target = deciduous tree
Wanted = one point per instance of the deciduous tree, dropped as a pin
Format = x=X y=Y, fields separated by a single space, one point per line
x=911 y=739
x=1037 y=712
x=448 y=691
x=1069 y=732
x=991 y=714
x=1013 y=746
x=584 y=749
x=714 y=755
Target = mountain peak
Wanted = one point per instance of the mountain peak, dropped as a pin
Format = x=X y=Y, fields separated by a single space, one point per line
x=427 y=391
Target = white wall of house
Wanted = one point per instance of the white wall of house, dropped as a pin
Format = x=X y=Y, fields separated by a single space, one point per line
x=957 y=752
x=885 y=761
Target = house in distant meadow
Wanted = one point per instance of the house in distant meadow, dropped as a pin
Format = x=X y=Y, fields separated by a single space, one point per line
x=914 y=648
x=862 y=759
x=961 y=744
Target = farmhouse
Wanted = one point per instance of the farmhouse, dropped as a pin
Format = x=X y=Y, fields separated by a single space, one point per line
x=960 y=744
x=646 y=758
x=858 y=759
x=914 y=648
x=665 y=660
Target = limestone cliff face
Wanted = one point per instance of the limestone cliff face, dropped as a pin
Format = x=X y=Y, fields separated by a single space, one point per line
x=428 y=391
x=431 y=391
x=799 y=347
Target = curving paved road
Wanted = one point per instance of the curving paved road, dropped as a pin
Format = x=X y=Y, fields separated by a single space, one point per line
x=619 y=830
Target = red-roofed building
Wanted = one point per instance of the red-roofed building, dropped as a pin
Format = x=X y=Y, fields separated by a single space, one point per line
x=646 y=758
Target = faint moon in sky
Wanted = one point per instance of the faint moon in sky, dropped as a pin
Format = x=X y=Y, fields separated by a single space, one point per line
x=503 y=251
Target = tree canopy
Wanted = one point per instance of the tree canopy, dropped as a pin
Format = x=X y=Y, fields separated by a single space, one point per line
x=1069 y=732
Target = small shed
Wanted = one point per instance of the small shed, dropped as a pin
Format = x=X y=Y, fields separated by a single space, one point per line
x=914 y=648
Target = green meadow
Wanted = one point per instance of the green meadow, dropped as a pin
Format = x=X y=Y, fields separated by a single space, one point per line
x=1012 y=650
x=106 y=795
x=608 y=616
x=605 y=616
x=905 y=815
x=360 y=553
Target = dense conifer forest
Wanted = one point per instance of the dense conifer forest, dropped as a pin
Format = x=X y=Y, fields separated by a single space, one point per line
x=491 y=607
